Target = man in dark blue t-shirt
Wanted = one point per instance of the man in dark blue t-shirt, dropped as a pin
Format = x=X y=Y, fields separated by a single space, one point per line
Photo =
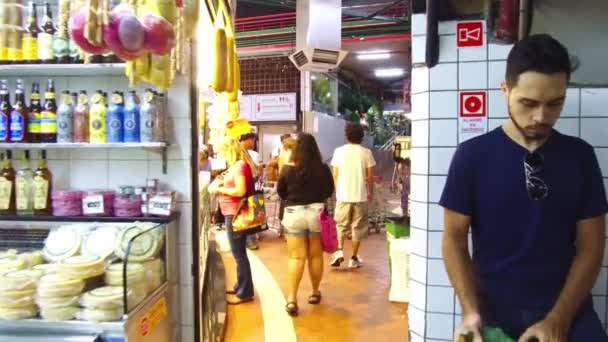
x=535 y=202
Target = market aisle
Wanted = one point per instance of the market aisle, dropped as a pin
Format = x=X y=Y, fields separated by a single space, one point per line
x=355 y=305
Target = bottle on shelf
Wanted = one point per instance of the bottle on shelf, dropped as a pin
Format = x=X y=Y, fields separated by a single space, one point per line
x=5 y=112
x=115 y=117
x=131 y=122
x=159 y=132
x=30 y=36
x=14 y=9
x=43 y=180
x=45 y=36
x=147 y=116
x=7 y=186
x=35 y=114
x=97 y=119
x=65 y=114
x=61 y=40
x=24 y=184
x=48 y=117
x=19 y=116
x=81 y=118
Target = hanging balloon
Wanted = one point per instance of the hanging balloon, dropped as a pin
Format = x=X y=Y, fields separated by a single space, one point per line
x=76 y=27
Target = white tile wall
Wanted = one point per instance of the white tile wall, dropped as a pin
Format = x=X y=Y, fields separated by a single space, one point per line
x=474 y=75
x=436 y=184
x=417 y=295
x=420 y=106
x=440 y=160
x=443 y=132
x=497 y=104
x=185 y=264
x=440 y=326
x=418 y=24
x=585 y=114
x=444 y=104
x=187 y=306
x=438 y=297
x=594 y=131
x=417 y=320
x=443 y=77
x=594 y=102
x=421 y=137
x=419 y=188
x=418 y=50
x=599 y=304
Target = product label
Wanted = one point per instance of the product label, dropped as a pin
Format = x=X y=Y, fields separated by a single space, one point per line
x=4 y=126
x=30 y=47
x=48 y=122
x=15 y=55
x=33 y=124
x=115 y=124
x=116 y=98
x=92 y=205
x=82 y=99
x=41 y=193
x=129 y=124
x=35 y=97
x=45 y=46
x=17 y=126
x=61 y=47
x=6 y=188
x=3 y=54
x=49 y=95
x=22 y=193
x=161 y=205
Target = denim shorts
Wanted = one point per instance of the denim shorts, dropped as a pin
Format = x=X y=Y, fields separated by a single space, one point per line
x=302 y=220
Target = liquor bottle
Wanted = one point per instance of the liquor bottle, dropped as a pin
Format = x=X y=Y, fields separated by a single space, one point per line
x=45 y=36
x=19 y=116
x=43 y=180
x=30 y=36
x=15 y=35
x=24 y=184
x=61 y=40
x=115 y=117
x=65 y=114
x=131 y=120
x=7 y=186
x=97 y=119
x=81 y=119
x=48 y=117
x=5 y=112
x=35 y=113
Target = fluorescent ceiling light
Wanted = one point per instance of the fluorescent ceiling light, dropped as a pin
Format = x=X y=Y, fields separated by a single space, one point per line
x=393 y=72
x=373 y=56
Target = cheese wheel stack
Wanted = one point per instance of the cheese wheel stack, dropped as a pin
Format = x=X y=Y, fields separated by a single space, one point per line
x=18 y=294
x=105 y=304
x=58 y=297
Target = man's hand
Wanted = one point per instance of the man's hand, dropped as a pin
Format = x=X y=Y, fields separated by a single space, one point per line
x=471 y=323
x=547 y=330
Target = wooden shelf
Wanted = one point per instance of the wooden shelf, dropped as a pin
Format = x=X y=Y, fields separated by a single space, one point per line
x=58 y=70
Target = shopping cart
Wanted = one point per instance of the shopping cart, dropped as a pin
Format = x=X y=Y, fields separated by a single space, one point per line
x=273 y=207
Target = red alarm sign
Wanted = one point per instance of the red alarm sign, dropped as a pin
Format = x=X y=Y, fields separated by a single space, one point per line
x=469 y=33
x=472 y=104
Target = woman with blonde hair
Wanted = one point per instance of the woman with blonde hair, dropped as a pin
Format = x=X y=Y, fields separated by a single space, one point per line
x=304 y=185
x=236 y=183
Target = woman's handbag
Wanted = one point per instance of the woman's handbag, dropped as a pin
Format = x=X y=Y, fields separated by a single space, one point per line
x=329 y=234
x=250 y=217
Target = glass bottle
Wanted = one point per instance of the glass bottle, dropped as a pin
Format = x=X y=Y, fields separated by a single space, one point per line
x=115 y=117
x=61 y=40
x=19 y=115
x=7 y=186
x=45 y=36
x=48 y=117
x=131 y=122
x=5 y=112
x=35 y=113
x=43 y=180
x=30 y=36
x=24 y=182
x=97 y=119
x=81 y=119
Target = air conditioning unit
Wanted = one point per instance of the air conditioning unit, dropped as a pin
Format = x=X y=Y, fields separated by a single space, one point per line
x=317 y=60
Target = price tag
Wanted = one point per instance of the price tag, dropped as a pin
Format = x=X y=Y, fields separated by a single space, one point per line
x=161 y=205
x=92 y=205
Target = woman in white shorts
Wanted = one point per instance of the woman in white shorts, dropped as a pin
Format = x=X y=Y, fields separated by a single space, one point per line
x=304 y=185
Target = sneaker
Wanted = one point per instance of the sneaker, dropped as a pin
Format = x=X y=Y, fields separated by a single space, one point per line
x=252 y=244
x=355 y=262
x=337 y=258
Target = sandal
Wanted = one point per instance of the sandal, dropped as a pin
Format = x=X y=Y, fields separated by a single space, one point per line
x=230 y=292
x=239 y=301
x=315 y=299
x=292 y=309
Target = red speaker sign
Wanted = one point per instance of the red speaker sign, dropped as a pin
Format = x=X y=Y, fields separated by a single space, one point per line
x=472 y=114
x=469 y=33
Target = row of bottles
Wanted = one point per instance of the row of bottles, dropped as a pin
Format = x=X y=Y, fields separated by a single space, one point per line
x=26 y=191
x=35 y=42
x=78 y=119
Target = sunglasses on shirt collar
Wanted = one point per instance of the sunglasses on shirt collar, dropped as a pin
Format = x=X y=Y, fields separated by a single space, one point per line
x=534 y=170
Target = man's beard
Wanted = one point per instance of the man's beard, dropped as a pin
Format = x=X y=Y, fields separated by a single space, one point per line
x=532 y=132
